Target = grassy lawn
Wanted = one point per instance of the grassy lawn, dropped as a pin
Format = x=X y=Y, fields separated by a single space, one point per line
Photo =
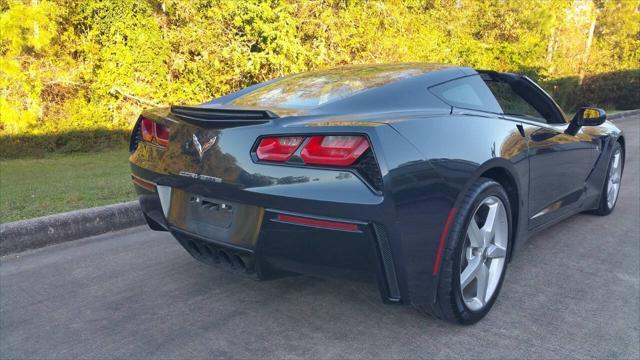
x=57 y=183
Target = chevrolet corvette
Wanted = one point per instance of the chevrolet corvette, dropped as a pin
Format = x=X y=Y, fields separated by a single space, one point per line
x=423 y=179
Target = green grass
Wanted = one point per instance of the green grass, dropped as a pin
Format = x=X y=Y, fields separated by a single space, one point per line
x=58 y=183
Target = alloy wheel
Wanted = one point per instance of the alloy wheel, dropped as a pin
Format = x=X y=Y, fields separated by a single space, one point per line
x=483 y=253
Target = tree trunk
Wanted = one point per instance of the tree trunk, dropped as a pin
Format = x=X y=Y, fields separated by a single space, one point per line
x=550 y=46
x=587 y=49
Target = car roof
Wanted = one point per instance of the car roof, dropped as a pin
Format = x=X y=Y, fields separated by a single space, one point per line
x=325 y=88
x=352 y=88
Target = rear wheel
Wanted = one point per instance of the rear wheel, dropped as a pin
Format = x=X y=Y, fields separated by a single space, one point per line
x=611 y=188
x=475 y=259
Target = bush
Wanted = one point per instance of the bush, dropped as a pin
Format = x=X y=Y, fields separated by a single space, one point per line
x=20 y=146
x=614 y=90
x=75 y=67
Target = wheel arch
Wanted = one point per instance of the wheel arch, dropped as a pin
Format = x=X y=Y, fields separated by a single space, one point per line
x=504 y=173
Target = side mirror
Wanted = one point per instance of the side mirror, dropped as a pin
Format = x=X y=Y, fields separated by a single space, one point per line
x=586 y=116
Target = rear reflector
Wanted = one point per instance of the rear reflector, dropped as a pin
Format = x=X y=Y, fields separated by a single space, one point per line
x=278 y=148
x=334 y=150
x=145 y=184
x=334 y=225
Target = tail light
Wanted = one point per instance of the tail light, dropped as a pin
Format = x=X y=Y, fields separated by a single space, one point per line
x=162 y=135
x=146 y=127
x=352 y=151
x=334 y=150
x=278 y=148
x=152 y=131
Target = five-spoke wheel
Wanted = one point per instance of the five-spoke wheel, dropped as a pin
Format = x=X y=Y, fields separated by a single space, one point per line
x=484 y=251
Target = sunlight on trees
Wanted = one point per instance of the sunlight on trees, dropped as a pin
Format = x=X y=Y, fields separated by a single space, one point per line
x=68 y=65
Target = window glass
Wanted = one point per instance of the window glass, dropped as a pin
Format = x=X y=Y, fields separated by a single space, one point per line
x=468 y=93
x=512 y=103
x=313 y=89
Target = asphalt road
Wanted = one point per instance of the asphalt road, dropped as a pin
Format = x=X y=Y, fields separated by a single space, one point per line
x=572 y=292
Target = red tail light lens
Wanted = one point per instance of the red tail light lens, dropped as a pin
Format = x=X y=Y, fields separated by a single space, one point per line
x=151 y=130
x=162 y=135
x=334 y=150
x=146 y=127
x=278 y=148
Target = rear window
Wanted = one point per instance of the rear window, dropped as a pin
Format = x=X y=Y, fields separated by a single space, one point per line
x=308 y=90
x=469 y=93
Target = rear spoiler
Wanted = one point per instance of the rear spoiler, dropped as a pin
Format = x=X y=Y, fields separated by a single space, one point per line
x=207 y=117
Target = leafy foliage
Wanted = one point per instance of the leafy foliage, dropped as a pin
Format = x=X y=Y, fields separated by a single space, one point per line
x=82 y=66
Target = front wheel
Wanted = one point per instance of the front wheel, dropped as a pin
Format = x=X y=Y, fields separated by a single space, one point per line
x=475 y=258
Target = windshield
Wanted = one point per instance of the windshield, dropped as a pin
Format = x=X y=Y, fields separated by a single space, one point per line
x=313 y=89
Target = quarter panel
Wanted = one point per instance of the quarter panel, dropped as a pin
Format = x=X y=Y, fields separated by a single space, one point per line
x=455 y=151
x=457 y=146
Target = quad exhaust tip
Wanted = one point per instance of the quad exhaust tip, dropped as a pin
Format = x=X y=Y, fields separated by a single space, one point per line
x=211 y=254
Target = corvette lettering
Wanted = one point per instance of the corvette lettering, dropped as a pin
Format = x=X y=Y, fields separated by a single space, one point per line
x=200 y=176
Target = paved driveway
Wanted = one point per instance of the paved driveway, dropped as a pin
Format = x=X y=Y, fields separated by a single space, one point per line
x=573 y=291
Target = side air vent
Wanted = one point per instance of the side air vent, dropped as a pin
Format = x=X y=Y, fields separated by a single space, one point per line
x=387 y=262
x=221 y=118
x=367 y=166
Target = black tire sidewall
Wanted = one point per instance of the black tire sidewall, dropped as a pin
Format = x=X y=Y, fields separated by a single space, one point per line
x=458 y=311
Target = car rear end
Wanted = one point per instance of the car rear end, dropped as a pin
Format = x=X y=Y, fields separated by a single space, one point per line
x=268 y=196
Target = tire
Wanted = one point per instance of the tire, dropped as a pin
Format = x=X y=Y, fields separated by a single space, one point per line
x=614 y=177
x=456 y=303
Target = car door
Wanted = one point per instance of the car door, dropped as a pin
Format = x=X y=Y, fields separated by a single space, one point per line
x=559 y=163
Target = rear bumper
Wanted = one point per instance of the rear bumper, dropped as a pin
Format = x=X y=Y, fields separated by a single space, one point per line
x=356 y=249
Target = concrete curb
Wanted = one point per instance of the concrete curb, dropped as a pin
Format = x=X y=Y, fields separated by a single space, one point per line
x=623 y=115
x=48 y=230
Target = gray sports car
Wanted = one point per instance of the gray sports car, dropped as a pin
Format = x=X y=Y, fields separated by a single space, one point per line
x=421 y=178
